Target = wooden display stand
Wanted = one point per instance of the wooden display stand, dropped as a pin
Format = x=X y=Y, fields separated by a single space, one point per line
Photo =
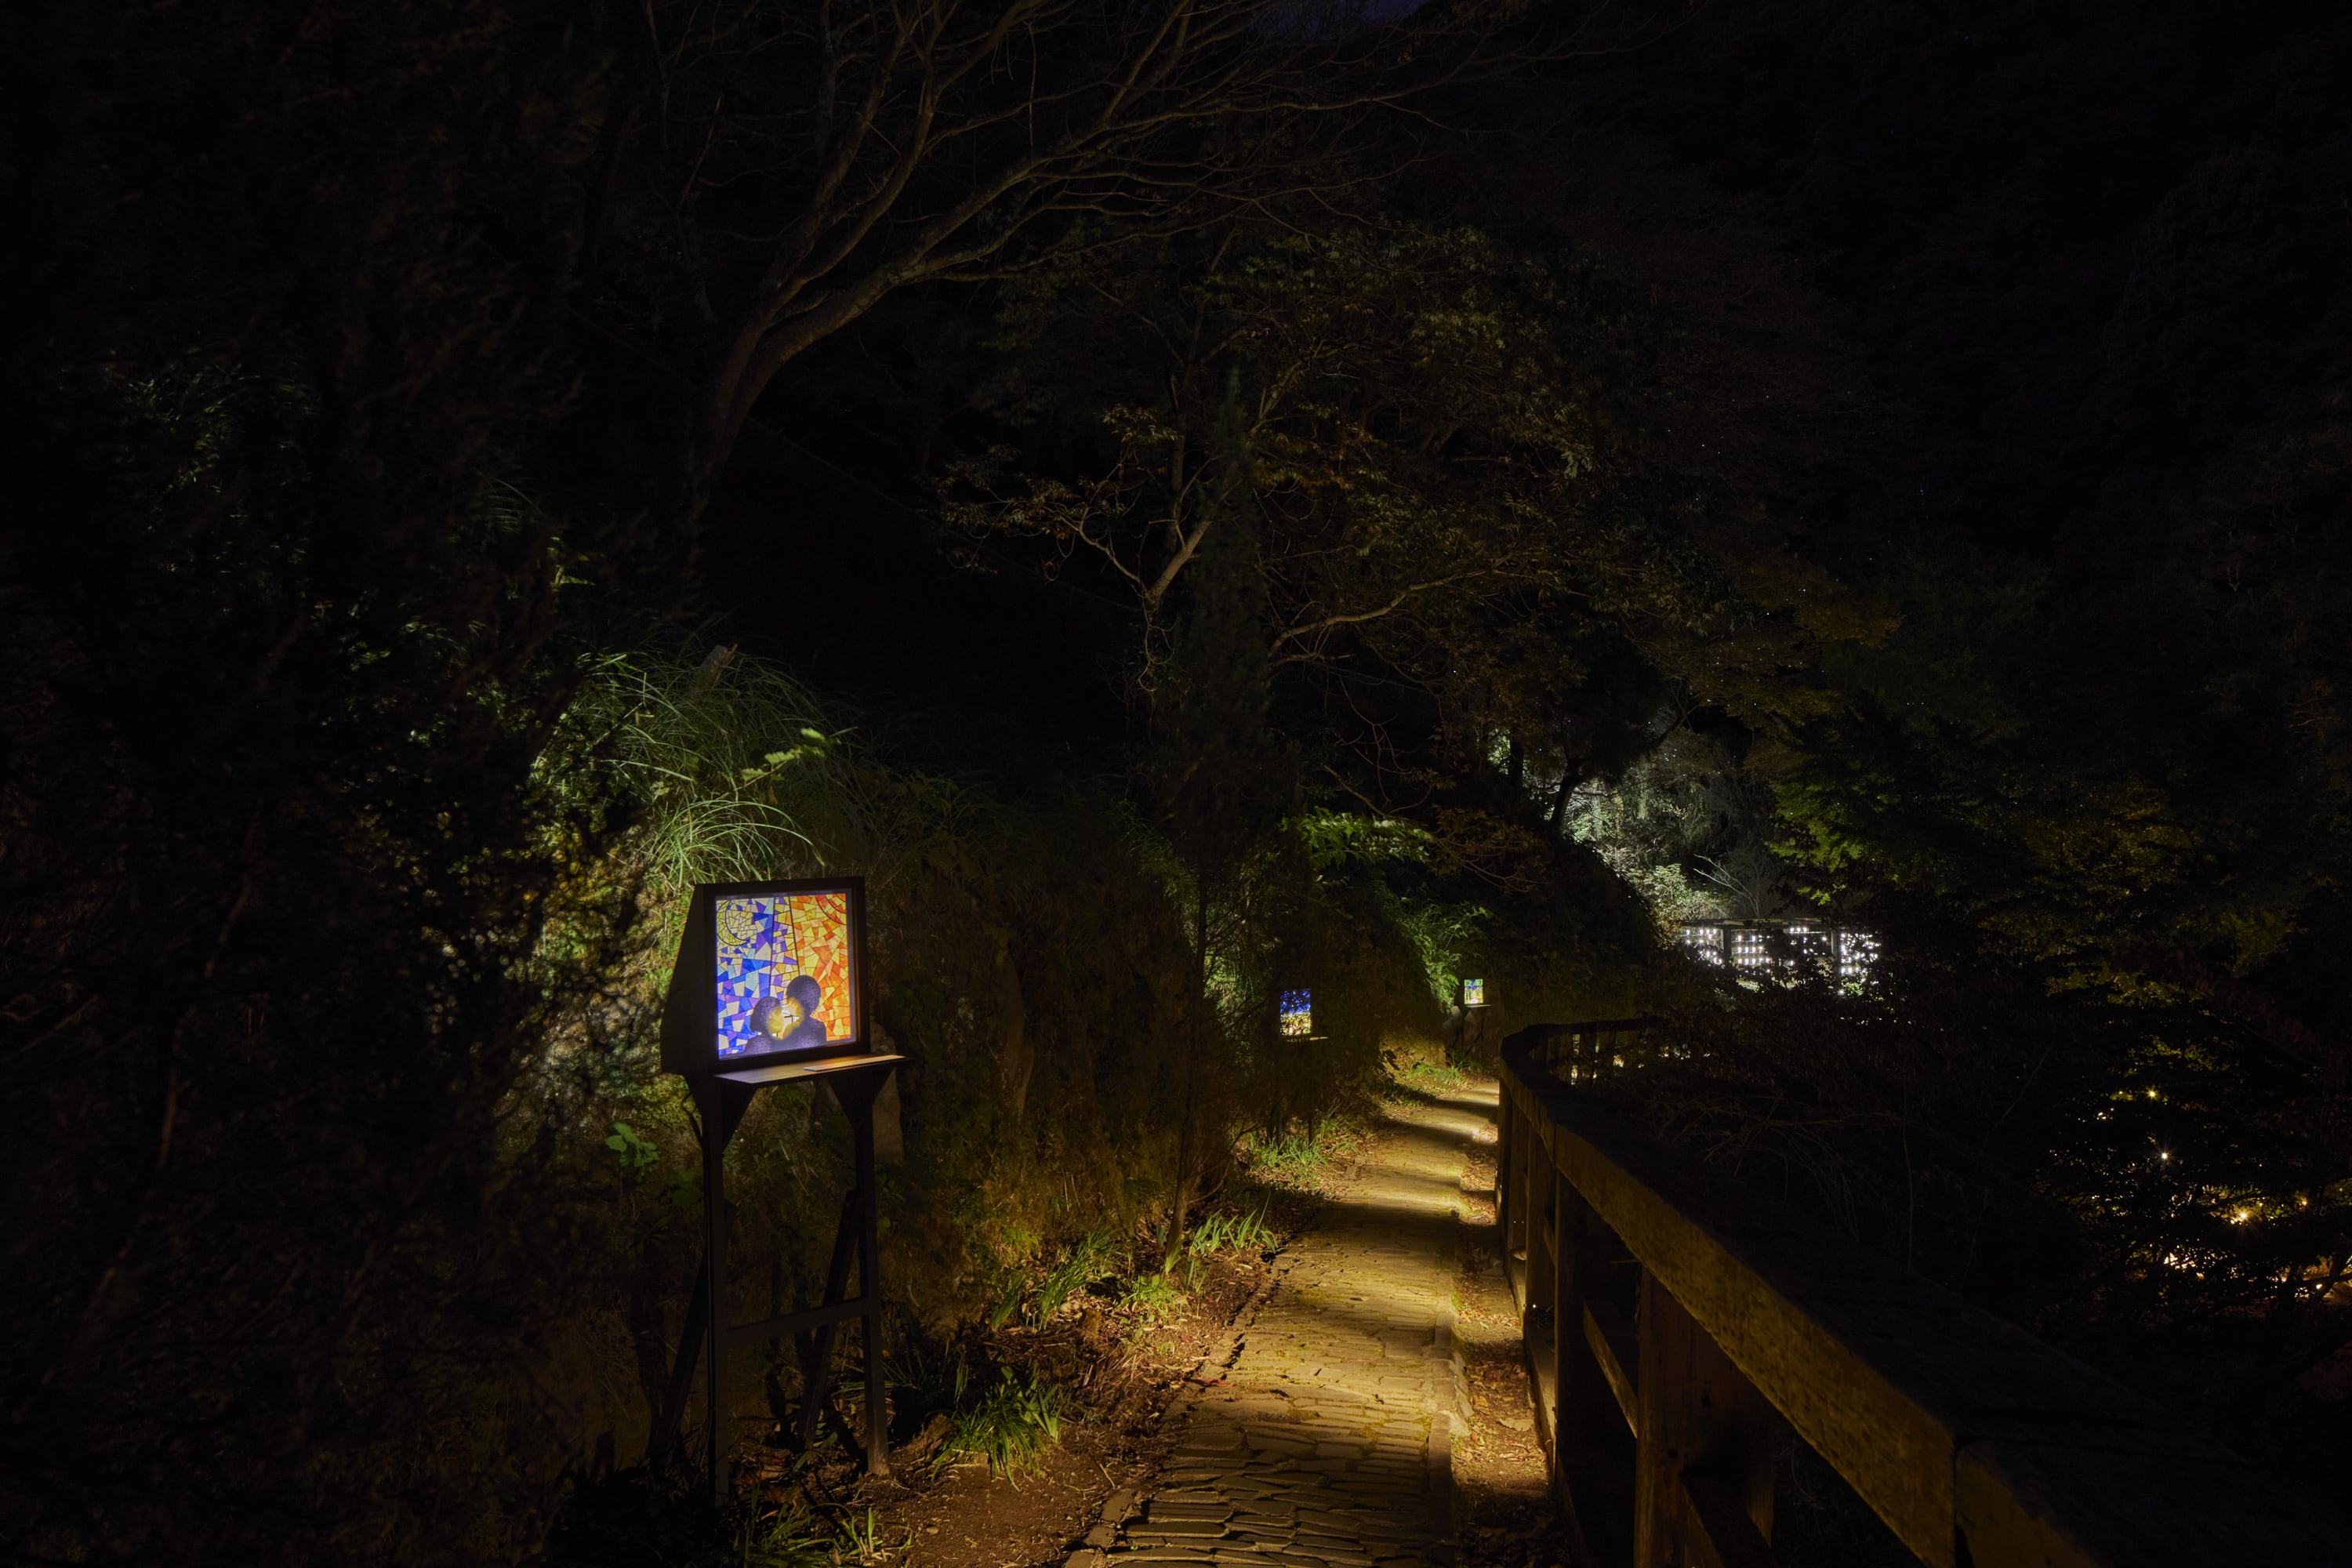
x=757 y=963
x=723 y=1098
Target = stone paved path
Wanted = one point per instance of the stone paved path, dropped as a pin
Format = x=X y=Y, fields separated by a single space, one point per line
x=1323 y=1436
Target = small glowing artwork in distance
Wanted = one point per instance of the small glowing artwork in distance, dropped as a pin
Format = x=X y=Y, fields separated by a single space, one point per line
x=783 y=973
x=1298 y=1014
x=1474 y=994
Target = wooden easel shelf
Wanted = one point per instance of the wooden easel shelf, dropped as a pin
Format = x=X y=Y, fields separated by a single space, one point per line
x=794 y=1072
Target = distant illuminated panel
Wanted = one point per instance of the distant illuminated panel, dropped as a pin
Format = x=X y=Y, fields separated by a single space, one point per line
x=1857 y=952
x=1780 y=950
x=784 y=972
x=1298 y=1014
x=1474 y=994
x=1705 y=942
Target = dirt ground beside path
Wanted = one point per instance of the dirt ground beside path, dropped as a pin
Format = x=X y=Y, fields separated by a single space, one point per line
x=1507 y=1517
x=1432 y=1160
x=967 y=1517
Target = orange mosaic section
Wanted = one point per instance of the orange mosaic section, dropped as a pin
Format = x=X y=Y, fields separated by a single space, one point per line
x=820 y=945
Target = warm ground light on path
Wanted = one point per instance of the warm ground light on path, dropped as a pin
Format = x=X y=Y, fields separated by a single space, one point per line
x=1326 y=1433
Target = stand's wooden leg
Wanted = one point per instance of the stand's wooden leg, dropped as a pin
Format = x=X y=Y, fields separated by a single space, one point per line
x=869 y=1286
x=717 y=1128
x=817 y=1359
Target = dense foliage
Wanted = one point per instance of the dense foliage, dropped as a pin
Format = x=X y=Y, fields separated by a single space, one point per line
x=282 y=642
x=2044 y=313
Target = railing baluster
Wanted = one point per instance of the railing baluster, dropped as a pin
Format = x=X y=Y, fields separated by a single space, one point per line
x=1697 y=1413
x=1521 y=1217
x=1505 y=1143
x=1567 y=1233
x=1718 y=1531
x=1616 y=1354
x=1593 y=1448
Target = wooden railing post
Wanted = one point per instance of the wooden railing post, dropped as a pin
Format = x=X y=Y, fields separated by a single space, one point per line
x=1702 y=1475
x=1542 y=1230
x=1507 y=1210
x=1502 y=1114
x=1516 y=1242
x=1592 y=1441
x=1568 y=1241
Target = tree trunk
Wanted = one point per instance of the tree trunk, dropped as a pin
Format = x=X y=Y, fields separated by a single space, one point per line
x=1016 y=1059
x=756 y=351
x=1558 y=817
x=1185 y=1131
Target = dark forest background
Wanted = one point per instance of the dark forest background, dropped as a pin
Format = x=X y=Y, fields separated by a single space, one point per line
x=1403 y=498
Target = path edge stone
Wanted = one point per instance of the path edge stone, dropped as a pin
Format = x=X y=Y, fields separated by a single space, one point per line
x=1450 y=1416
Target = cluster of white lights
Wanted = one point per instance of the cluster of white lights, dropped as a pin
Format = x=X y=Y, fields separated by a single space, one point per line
x=1749 y=949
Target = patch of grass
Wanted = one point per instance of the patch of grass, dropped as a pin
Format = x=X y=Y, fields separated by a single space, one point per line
x=1087 y=1262
x=925 y=1380
x=1299 y=1156
x=1433 y=1078
x=787 y=1534
x=1219 y=1231
x=1153 y=1294
x=1295 y=1158
x=1010 y=1427
x=1008 y=1301
x=864 y=1541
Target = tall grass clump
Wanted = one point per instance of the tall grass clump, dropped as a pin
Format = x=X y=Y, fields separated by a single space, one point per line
x=1220 y=1230
x=1093 y=1258
x=1012 y=1425
x=786 y=1534
x=725 y=768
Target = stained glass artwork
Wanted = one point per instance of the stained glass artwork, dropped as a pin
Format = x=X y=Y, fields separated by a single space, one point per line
x=785 y=979
x=1474 y=994
x=1298 y=1014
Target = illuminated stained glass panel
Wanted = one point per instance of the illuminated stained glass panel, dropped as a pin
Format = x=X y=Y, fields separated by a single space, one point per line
x=784 y=979
x=1298 y=1014
x=1474 y=994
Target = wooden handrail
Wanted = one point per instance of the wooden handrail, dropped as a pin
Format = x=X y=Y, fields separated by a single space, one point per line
x=1974 y=1441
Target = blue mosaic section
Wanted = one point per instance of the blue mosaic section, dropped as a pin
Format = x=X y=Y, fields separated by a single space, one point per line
x=755 y=960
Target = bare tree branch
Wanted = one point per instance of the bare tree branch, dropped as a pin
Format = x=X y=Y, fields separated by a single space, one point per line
x=1300 y=632
x=890 y=142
